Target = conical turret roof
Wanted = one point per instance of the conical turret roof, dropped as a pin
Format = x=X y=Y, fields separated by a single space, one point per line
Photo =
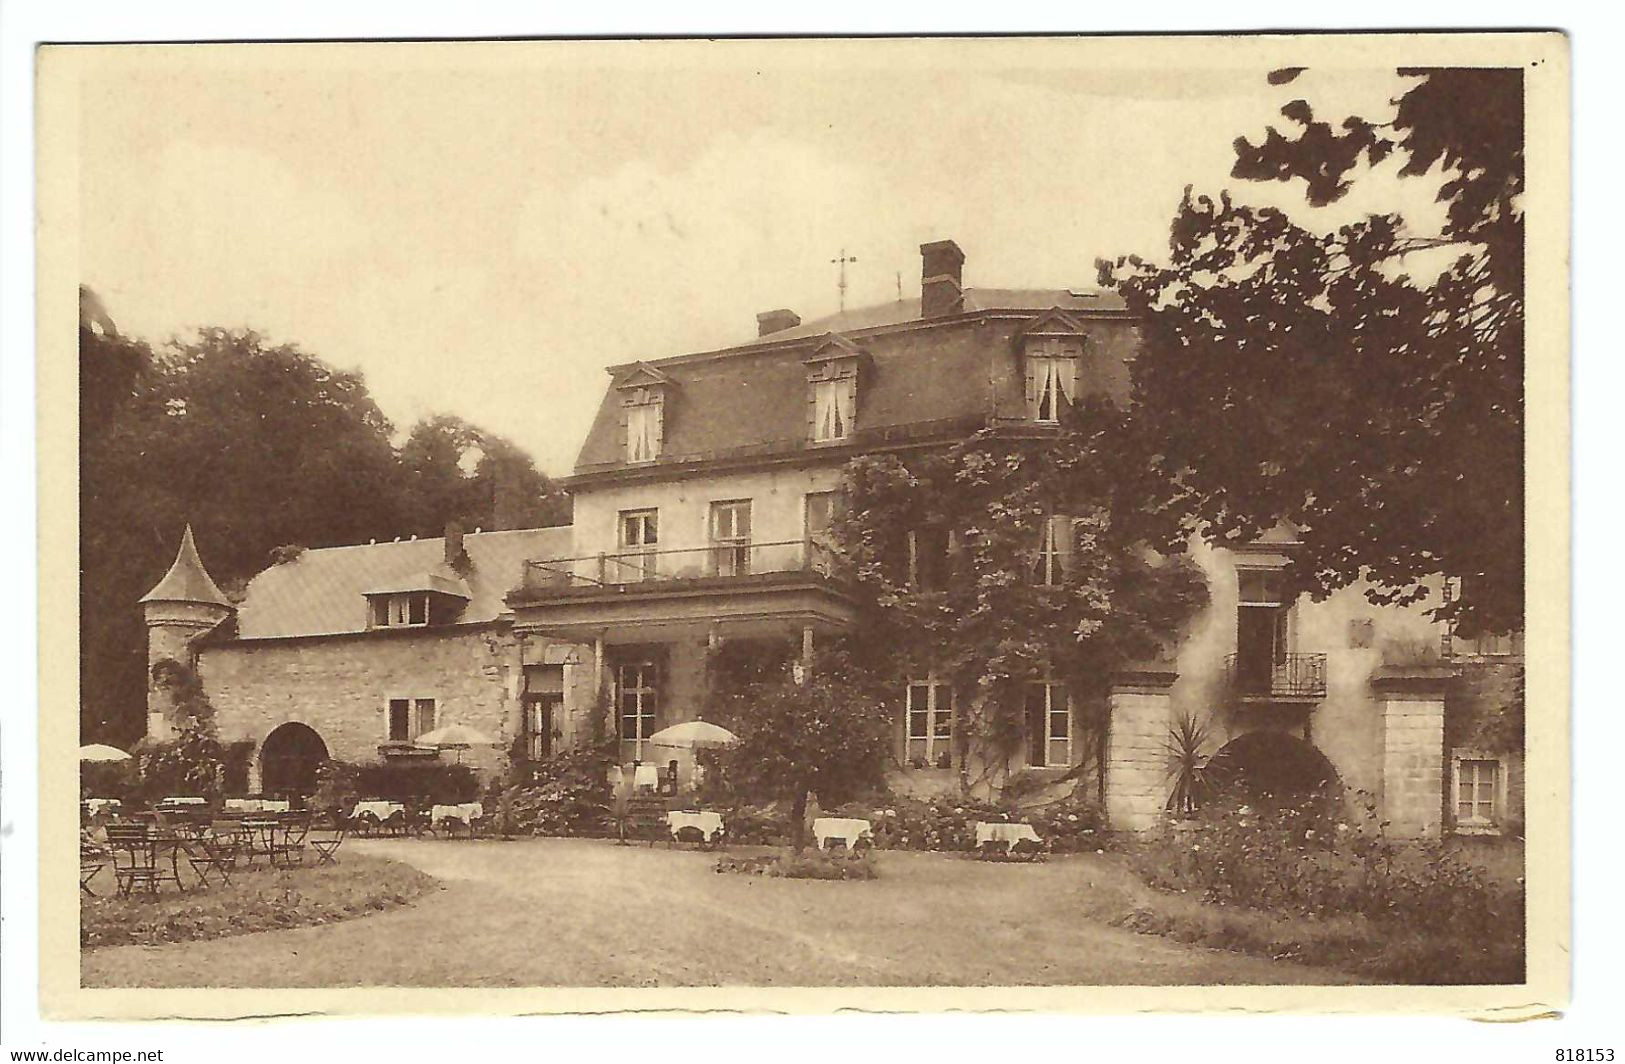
x=187 y=580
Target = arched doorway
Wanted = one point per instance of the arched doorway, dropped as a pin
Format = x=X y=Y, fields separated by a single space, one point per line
x=289 y=758
x=1271 y=766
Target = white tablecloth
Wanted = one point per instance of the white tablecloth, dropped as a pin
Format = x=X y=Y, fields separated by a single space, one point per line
x=97 y=806
x=1009 y=834
x=709 y=823
x=184 y=801
x=467 y=812
x=646 y=776
x=381 y=810
x=256 y=805
x=849 y=830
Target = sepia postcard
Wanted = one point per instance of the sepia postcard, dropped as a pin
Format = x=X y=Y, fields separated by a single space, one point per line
x=893 y=524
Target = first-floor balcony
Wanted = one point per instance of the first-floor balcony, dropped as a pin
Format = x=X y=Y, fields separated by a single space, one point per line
x=735 y=584
x=1281 y=678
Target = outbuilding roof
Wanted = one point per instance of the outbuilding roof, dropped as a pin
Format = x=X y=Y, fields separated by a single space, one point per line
x=323 y=591
x=187 y=580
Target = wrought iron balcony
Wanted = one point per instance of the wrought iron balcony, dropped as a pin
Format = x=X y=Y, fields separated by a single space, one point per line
x=1288 y=678
x=737 y=560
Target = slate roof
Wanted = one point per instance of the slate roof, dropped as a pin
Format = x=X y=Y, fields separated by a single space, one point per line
x=323 y=591
x=752 y=399
x=187 y=580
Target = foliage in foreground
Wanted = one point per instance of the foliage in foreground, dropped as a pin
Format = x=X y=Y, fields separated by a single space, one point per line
x=1436 y=917
x=257 y=900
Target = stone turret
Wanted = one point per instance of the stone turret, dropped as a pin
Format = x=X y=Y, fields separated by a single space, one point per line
x=185 y=604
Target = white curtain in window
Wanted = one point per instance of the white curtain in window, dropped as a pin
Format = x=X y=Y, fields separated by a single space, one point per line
x=642 y=433
x=832 y=409
x=1052 y=379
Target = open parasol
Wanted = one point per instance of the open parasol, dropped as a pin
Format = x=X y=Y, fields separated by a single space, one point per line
x=457 y=737
x=100 y=753
x=694 y=734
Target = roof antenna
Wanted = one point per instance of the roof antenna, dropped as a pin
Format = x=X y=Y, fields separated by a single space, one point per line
x=899 y=286
x=841 y=284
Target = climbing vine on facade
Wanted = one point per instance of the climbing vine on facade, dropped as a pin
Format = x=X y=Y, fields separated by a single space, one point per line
x=1005 y=560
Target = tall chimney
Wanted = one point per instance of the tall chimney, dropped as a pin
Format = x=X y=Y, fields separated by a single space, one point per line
x=454 y=544
x=773 y=321
x=941 y=266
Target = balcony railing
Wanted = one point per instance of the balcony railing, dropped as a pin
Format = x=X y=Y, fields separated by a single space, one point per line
x=732 y=559
x=1296 y=677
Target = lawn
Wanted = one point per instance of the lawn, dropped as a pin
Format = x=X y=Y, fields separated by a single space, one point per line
x=257 y=900
x=580 y=912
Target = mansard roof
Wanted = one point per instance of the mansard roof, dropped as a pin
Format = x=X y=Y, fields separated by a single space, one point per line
x=187 y=580
x=925 y=378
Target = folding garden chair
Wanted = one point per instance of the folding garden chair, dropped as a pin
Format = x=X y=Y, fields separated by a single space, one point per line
x=92 y=859
x=136 y=859
x=326 y=838
x=289 y=849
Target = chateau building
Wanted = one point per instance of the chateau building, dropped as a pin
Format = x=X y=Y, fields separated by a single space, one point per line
x=703 y=496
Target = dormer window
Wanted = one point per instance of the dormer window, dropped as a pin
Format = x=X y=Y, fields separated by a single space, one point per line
x=643 y=432
x=408 y=610
x=833 y=403
x=832 y=390
x=643 y=413
x=1051 y=350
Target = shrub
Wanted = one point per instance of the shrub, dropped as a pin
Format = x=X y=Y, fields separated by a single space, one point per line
x=190 y=764
x=568 y=794
x=105 y=779
x=813 y=865
x=435 y=783
x=1071 y=824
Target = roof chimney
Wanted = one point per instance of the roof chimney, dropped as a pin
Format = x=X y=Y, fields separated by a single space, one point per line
x=773 y=321
x=454 y=544
x=941 y=264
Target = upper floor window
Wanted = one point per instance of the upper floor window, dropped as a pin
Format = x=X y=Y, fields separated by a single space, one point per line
x=1054 y=551
x=730 y=537
x=833 y=403
x=405 y=610
x=1052 y=375
x=643 y=432
x=639 y=537
x=929 y=550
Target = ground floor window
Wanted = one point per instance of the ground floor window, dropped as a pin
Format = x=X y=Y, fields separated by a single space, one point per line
x=930 y=716
x=635 y=693
x=410 y=718
x=1049 y=725
x=1478 y=792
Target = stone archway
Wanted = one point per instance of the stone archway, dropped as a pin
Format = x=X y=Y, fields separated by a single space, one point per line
x=289 y=758
x=1272 y=765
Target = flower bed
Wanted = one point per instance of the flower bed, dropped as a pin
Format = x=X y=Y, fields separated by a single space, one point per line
x=257 y=900
x=1067 y=826
x=807 y=865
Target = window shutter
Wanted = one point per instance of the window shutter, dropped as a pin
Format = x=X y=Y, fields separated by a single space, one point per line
x=812 y=406
x=660 y=427
x=1069 y=378
x=913 y=558
x=622 y=437
x=851 y=387
x=1032 y=387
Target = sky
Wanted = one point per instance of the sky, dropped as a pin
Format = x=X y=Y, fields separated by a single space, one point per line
x=481 y=229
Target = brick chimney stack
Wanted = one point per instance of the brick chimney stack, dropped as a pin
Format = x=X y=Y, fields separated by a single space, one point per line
x=773 y=321
x=941 y=270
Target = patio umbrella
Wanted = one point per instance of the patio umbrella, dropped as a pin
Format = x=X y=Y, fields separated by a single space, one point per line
x=458 y=737
x=100 y=752
x=694 y=734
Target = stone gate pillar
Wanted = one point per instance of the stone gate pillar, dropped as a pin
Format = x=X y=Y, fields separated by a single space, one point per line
x=1413 y=768
x=1136 y=747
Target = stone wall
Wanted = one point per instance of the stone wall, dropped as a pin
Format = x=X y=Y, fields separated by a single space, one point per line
x=341 y=687
x=1137 y=753
x=1414 y=770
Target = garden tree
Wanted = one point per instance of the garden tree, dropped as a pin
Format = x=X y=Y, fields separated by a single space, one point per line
x=828 y=735
x=455 y=470
x=263 y=448
x=948 y=550
x=1366 y=383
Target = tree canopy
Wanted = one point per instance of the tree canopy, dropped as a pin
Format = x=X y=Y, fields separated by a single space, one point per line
x=258 y=446
x=1365 y=383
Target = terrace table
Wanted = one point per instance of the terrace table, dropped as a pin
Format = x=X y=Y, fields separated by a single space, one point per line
x=184 y=801
x=256 y=805
x=98 y=806
x=463 y=813
x=1008 y=834
x=708 y=823
x=850 y=830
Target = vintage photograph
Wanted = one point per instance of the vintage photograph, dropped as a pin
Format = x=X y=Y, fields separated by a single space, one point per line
x=813 y=514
